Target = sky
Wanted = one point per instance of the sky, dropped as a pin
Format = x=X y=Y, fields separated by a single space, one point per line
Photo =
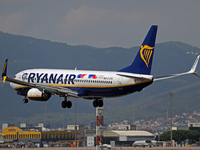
x=102 y=23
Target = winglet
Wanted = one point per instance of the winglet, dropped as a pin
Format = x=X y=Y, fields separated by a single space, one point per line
x=4 y=73
x=196 y=75
x=192 y=70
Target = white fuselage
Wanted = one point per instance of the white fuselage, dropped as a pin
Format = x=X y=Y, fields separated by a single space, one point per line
x=88 y=84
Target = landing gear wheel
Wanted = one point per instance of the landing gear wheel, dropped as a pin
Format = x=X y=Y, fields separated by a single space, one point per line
x=97 y=103
x=100 y=103
x=69 y=104
x=64 y=104
x=25 y=100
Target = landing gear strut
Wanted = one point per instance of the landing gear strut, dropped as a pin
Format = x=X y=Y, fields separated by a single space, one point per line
x=98 y=102
x=66 y=103
x=25 y=100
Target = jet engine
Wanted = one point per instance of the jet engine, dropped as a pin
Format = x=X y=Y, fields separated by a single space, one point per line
x=37 y=95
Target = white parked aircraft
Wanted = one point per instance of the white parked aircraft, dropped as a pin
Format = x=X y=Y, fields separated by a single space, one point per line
x=41 y=84
x=3 y=140
x=144 y=143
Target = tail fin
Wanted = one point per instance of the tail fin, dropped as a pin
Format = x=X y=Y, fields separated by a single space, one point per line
x=143 y=61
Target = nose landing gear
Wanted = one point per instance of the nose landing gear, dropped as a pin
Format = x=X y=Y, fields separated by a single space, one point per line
x=25 y=100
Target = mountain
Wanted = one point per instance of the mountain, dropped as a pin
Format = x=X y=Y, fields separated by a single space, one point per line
x=169 y=58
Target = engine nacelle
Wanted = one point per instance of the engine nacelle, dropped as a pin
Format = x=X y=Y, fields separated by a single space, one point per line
x=37 y=95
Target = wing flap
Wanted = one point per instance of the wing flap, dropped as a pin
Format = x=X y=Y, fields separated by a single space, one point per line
x=61 y=91
x=20 y=82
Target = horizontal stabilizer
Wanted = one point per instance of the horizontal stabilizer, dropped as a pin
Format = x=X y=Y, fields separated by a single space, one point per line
x=136 y=76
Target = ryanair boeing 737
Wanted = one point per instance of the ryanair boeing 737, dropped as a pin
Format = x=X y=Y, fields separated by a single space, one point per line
x=41 y=84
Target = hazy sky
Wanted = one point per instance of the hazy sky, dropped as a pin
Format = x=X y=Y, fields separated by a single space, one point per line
x=102 y=23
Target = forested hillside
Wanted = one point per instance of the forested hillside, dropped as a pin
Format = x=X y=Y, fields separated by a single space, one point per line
x=169 y=58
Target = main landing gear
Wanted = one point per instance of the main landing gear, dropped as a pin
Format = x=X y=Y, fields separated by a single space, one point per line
x=66 y=103
x=98 y=102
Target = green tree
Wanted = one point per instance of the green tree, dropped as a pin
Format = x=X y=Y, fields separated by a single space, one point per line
x=180 y=135
x=193 y=135
x=165 y=136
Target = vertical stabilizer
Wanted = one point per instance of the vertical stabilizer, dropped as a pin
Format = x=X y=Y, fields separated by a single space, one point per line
x=143 y=61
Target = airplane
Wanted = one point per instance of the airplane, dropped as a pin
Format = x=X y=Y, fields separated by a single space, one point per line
x=3 y=140
x=105 y=146
x=41 y=84
x=144 y=143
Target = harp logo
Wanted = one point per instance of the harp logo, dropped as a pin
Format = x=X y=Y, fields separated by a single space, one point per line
x=146 y=53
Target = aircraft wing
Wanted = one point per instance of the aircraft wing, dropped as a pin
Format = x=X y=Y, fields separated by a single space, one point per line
x=61 y=91
x=192 y=71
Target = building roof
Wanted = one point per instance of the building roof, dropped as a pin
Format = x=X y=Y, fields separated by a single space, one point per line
x=115 y=133
x=11 y=130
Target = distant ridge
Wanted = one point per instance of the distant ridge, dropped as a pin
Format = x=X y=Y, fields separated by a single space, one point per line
x=170 y=57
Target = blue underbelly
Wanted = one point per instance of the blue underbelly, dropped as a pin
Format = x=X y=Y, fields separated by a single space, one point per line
x=99 y=91
x=111 y=91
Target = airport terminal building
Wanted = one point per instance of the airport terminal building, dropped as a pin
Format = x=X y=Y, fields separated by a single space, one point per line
x=37 y=136
x=15 y=134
